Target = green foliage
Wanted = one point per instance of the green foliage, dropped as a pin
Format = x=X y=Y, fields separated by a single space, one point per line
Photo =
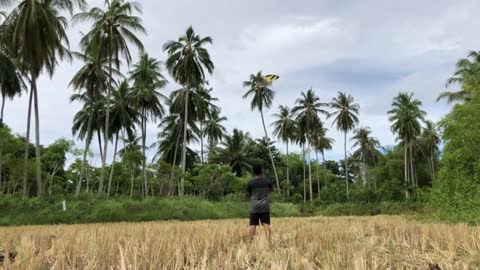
x=90 y=208
x=456 y=192
x=371 y=209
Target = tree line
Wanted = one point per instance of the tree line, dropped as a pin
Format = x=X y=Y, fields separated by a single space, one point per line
x=117 y=106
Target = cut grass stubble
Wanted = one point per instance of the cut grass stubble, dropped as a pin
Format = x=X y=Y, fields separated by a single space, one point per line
x=380 y=242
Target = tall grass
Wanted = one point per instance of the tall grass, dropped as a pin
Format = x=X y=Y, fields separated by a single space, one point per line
x=379 y=242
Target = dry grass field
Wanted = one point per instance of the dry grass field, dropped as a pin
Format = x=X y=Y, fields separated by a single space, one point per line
x=379 y=242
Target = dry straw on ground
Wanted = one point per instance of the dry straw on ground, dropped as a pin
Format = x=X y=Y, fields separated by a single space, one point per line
x=298 y=243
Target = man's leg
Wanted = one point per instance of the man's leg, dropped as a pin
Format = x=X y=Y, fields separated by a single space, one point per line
x=251 y=232
x=268 y=230
x=265 y=219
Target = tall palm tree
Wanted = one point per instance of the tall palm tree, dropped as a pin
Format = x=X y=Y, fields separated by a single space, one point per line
x=147 y=79
x=125 y=116
x=322 y=143
x=131 y=154
x=430 y=139
x=308 y=108
x=92 y=78
x=262 y=97
x=188 y=59
x=205 y=107
x=284 y=127
x=366 y=148
x=40 y=40
x=299 y=137
x=111 y=31
x=466 y=68
x=11 y=82
x=214 y=130
x=235 y=152
x=170 y=139
x=346 y=118
x=406 y=116
x=87 y=121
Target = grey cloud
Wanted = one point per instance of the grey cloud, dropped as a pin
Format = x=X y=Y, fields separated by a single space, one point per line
x=372 y=49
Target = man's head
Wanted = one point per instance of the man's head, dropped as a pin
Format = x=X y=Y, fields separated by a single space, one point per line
x=257 y=170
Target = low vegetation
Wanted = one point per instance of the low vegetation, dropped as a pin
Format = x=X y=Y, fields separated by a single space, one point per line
x=297 y=243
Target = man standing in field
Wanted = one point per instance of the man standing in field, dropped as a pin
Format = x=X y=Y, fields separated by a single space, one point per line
x=258 y=190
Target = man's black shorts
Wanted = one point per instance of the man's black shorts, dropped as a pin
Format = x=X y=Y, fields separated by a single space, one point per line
x=256 y=218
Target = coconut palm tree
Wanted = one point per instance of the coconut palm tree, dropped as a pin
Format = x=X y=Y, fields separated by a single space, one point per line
x=147 y=79
x=188 y=59
x=299 y=137
x=262 y=97
x=406 y=116
x=214 y=130
x=465 y=68
x=367 y=146
x=39 y=40
x=346 y=118
x=11 y=82
x=131 y=155
x=235 y=152
x=109 y=37
x=284 y=127
x=125 y=116
x=308 y=108
x=87 y=121
x=322 y=143
x=92 y=78
x=205 y=107
x=430 y=139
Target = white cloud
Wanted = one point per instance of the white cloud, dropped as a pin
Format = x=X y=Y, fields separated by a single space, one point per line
x=372 y=49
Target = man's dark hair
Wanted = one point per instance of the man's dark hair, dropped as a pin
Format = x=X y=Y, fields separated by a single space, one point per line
x=257 y=169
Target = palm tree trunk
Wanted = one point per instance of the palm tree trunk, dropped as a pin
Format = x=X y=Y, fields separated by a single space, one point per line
x=100 y=144
x=3 y=107
x=288 y=173
x=27 y=144
x=324 y=170
x=172 y=173
x=318 y=175
x=270 y=151
x=406 y=168
x=131 y=183
x=304 y=176
x=113 y=165
x=433 y=167
x=38 y=163
x=411 y=167
x=144 y=142
x=201 y=143
x=87 y=176
x=364 y=175
x=210 y=150
x=310 y=171
x=184 y=146
x=107 y=122
x=346 y=161
x=85 y=152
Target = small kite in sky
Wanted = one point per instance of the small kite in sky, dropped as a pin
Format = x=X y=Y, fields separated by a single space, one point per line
x=271 y=78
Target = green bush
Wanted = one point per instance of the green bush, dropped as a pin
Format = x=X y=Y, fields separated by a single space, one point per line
x=86 y=209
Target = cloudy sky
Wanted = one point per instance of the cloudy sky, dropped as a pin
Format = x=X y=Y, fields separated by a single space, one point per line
x=370 y=49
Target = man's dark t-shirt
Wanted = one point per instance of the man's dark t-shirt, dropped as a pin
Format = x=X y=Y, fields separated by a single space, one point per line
x=258 y=189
